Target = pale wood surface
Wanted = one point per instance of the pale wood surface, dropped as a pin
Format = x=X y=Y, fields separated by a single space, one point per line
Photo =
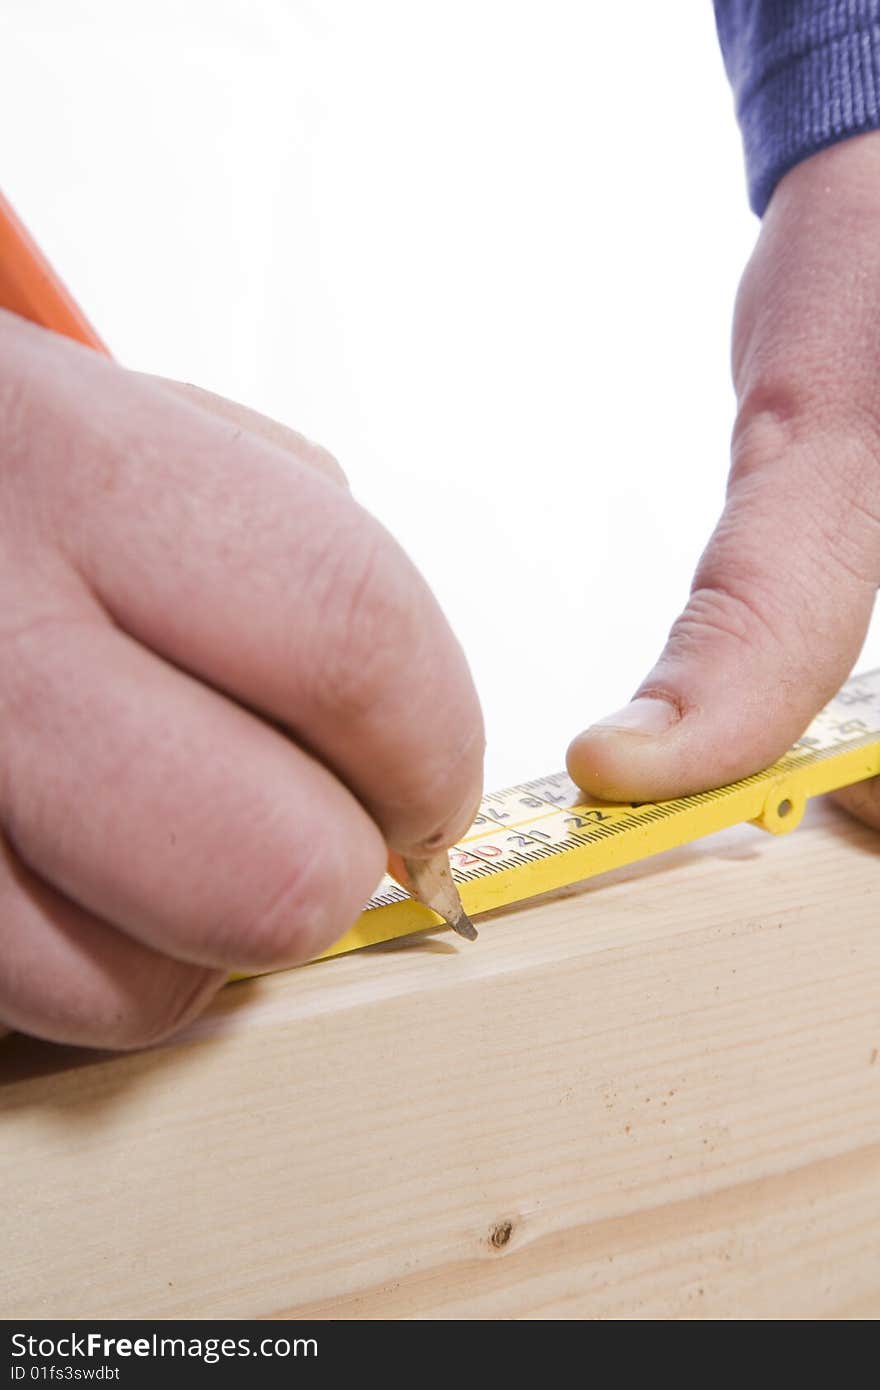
x=667 y=1084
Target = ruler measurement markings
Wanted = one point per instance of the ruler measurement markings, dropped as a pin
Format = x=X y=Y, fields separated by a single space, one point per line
x=559 y=838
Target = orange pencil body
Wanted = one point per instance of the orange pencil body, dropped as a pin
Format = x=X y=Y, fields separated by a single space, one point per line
x=30 y=287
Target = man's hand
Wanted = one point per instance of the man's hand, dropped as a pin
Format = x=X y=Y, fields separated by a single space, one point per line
x=224 y=693
x=784 y=591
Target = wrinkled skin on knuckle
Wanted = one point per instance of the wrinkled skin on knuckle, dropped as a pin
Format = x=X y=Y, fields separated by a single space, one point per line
x=764 y=433
x=713 y=612
x=725 y=630
x=754 y=625
x=745 y=581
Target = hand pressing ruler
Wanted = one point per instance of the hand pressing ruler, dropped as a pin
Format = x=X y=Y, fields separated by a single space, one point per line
x=544 y=835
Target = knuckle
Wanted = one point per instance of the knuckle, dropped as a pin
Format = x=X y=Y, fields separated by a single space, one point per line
x=766 y=429
x=717 y=611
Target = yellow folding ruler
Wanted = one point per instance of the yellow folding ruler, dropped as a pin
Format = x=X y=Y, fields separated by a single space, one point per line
x=543 y=834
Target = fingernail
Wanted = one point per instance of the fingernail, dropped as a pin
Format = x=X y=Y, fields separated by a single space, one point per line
x=644 y=715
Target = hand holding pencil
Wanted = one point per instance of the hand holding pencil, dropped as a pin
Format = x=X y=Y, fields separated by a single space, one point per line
x=226 y=691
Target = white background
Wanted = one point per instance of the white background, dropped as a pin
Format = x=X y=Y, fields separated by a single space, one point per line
x=484 y=250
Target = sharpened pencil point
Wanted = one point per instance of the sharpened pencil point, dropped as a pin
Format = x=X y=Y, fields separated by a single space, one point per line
x=465 y=927
x=431 y=881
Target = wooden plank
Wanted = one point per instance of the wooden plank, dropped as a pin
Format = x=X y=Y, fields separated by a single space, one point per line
x=655 y=1097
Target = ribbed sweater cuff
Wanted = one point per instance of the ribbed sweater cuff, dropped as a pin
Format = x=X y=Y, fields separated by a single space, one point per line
x=805 y=75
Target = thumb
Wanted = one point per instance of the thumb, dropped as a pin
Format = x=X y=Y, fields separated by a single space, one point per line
x=777 y=614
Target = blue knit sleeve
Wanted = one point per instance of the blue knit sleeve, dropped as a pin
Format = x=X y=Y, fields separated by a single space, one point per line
x=805 y=74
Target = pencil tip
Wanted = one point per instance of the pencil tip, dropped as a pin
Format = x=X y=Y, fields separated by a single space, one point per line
x=431 y=881
x=464 y=926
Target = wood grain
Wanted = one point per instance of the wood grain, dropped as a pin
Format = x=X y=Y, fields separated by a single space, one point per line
x=656 y=1097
